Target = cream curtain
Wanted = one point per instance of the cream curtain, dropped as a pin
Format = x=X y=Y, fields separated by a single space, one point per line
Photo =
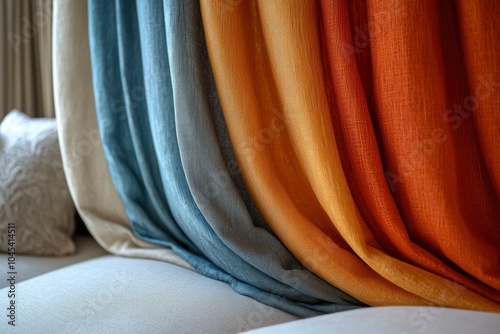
x=25 y=57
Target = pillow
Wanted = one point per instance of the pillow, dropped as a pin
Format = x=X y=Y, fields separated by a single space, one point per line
x=34 y=196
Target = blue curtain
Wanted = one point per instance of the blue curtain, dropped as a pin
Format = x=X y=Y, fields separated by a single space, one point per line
x=171 y=160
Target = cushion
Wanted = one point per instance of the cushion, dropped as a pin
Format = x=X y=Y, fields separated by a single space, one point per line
x=112 y=294
x=28 y=266
x=394 y=319
x=35 y=202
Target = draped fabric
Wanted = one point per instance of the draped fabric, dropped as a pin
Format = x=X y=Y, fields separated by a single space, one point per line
x=315 y=155
x=84 y=164
x=409 y=133
x=164 y=158
x=267 y=64
x=26 y=57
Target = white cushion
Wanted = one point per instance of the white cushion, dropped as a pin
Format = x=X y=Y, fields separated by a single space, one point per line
x=37 y=215
x=111 y=294
x=394 y=319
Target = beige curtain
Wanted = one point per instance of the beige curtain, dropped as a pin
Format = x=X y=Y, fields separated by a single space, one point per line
x=25 y=57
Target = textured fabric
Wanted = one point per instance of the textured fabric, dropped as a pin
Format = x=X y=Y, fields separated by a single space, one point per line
x=36 y=210
x=423 y=145
x=131 y=42
x=83 y=158
x=210 y=177
x=29 y=266
x=395 y=319
x=117 y=295
x=267 y=66
x=26 y=57
x=437 y=209
x=479 y=39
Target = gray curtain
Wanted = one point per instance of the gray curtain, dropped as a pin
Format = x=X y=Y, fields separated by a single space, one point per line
x=25 y=57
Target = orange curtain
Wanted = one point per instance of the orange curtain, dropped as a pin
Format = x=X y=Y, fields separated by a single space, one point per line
x=268 y=67
x=392 y=86
x=480 y=36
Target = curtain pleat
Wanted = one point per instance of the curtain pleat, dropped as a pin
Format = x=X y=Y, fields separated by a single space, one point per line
x=258 y=128
x=444 y=189
x=479 y=34
x=241 y=230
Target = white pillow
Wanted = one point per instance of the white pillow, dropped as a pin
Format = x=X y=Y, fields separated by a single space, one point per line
x=34 y=196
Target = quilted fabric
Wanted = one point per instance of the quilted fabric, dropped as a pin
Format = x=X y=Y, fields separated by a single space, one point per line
x=34 y=195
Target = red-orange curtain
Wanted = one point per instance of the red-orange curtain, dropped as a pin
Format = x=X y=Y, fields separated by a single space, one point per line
x=268 y=65
x=402 y=91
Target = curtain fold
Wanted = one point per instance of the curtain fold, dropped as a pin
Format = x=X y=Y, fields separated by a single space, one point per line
x=223 y=200
x=479 y=34
x=267 y=66
x=257 y=126
x=444 y=189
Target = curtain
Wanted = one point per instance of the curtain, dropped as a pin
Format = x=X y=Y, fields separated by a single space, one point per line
x=318 y=156
x=405 y=133
x=269 y=73
x=26 y=57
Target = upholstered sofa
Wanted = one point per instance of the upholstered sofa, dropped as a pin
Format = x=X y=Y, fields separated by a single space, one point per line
x=116 y=274
x=93 y=291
